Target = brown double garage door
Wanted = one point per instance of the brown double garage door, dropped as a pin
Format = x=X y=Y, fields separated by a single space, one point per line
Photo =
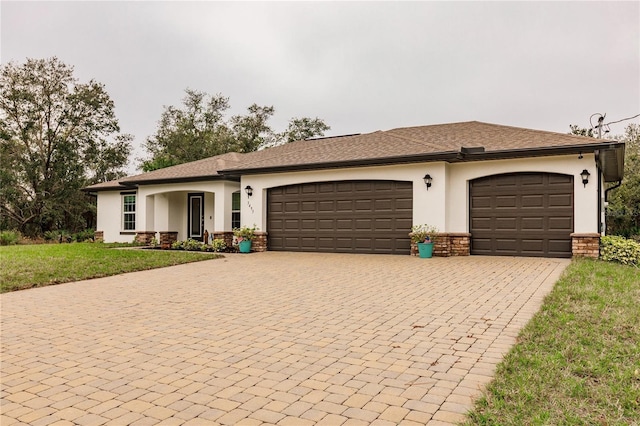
x=344 y=217
x=522 y=214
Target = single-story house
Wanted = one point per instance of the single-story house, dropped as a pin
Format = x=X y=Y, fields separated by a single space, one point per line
x=489 y=189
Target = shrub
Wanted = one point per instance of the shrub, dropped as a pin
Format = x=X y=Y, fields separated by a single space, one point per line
x=245 y=233
x=83 y=236
x=189 y=245
x=218 y=245
x=619 y=249
x=59 y=236
x=9 y=238
x=423 y=233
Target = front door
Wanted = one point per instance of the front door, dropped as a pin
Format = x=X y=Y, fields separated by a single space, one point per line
x=195 y=227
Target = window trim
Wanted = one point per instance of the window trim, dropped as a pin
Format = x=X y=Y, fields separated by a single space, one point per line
x=235 y=211
x=124 y=214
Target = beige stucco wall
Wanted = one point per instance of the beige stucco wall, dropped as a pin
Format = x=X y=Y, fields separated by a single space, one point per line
x=163 y=207
x=109 y=218
x=446 y=204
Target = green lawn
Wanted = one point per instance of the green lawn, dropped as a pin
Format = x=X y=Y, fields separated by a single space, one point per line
x=578 y=361
x=27 y=266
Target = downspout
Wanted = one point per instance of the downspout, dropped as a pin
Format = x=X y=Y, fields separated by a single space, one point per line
x=606 y=191
x=599 y=212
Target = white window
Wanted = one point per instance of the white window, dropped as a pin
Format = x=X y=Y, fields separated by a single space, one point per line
x=235 y=210
x=129 y=212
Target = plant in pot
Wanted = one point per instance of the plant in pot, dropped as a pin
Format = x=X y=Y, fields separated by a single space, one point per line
x=244 y=236
x=424 y=236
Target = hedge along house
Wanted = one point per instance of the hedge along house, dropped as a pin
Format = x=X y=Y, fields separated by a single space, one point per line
x=490 y=190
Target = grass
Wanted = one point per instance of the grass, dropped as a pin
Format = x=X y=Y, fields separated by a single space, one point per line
x=28 y=266
x=577 y=362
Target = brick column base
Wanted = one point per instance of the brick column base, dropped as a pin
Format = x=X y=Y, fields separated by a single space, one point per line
x=167 y=238
x=449 y=244
x=144 y=237
x=227 y=236
x=259 y=243
x=98 y=236
x=585 y=245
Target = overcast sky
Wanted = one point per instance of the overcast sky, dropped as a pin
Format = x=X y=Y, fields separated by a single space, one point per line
x=360 y=66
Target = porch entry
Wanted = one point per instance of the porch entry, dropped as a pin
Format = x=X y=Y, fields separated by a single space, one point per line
x=195 y=215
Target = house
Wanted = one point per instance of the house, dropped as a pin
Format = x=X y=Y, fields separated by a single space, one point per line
x=490 y=190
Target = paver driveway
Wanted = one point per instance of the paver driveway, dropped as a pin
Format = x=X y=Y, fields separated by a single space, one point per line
x=284 y=338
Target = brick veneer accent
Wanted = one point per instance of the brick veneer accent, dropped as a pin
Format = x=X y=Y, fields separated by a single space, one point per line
x=98 y=236
x=167 y=238
x=144 y=237
x=448 y=244
x=227 y=236
x=585 y=245
x=260 y=241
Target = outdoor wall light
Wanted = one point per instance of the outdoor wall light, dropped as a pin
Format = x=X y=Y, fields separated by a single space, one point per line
x=249 y=190
x=585 y=177
x=427 y=180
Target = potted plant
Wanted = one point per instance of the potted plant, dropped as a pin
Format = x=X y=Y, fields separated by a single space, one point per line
x=244 y=236
x=424 y=236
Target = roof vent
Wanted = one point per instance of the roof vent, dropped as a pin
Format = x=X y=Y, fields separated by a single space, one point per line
x=472 y=150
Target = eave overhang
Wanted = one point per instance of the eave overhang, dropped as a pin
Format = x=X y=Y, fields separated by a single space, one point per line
x=464 y=155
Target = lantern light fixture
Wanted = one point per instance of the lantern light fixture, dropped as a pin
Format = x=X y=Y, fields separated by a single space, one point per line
x=585 y=177
x=427 y=180
x=249 y=190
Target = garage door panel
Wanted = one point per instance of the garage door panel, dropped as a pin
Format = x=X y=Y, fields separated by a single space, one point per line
x=506 y=246
x=344 y=206
x=559 y=246
x=308 y=206
x=480 y=202
x=522 y=214
x=532 y=223
x=532 y=201
x=325 y=206
x=506 y=223
x=530 y=179
x=561 y=224
x=560 y=200
x=344 y=216
x=404 y=205
x=505 y=201
x=363 y=205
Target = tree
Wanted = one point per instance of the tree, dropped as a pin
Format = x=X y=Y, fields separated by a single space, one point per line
x=304 y=128
x=57 y=135
x=199 y=130
x=576 y=130
x=623 y=211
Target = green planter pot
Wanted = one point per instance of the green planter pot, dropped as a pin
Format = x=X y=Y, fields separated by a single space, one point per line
x=425 y=250
x=245 y=246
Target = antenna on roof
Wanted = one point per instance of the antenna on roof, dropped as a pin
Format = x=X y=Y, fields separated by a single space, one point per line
x=600 y=124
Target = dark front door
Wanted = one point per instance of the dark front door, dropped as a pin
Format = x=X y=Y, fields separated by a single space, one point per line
x=195 y=227
x=344 y=216
x=522 y=214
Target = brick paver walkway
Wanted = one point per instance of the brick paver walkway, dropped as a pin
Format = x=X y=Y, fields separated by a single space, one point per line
x=276 y=338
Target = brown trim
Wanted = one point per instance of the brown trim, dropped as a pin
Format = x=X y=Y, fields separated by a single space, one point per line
x=127 y=232
x=182 y=179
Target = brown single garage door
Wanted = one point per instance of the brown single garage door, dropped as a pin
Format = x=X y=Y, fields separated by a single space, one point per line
x=522 y=214
x=343 y=216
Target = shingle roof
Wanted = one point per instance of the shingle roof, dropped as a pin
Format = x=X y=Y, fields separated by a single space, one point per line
x=406 y=144
x=103 y=186
x=207 y=167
